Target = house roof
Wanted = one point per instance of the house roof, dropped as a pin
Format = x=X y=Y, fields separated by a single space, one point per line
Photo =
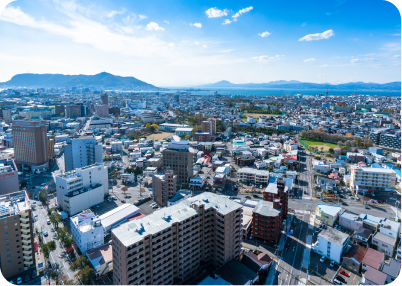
x=373 y=258
x=393 y=268
x=333 y=235
x=375 y=276
x=363 y=232
x=357 y=252
x=384 y=238
x=236 y=273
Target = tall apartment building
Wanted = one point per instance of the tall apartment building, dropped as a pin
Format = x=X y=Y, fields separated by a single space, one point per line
x=8 y=177
x=268 y=215
x=375 y=179
x=209 y=126
x=59 y=109
x=102 y=110
x=386 y=140
x=7 y=116
x=17 y=251
x=105 y=98
x=30 y=142
x=178 y=158
x=164 y=187
x=168 y=245
x=73 y=111
x=81 y=152
x=82 y=188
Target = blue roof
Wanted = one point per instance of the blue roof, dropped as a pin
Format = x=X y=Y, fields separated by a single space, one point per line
x=376 y=165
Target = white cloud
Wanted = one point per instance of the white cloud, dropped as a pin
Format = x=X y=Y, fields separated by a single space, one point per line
x=319 y=36
x=265 y=58
x=355 y=61
x=197 y=43
x=227 y=21
x=142 y=17
x=323 y=66
x=397 y=56
x=226 y=51
x=154 y=26
x=166 y=22
x=114 y=13
x=216 y=13
x=265 y=34
x=185 y=41
x=204 y=46
x=198 y=25
x=171 y=45
x=309 y=60
x=241 y=11
x=304 y=24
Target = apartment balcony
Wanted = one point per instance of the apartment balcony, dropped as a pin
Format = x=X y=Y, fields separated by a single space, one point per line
x=27 y=256
x=27 y=264
x=27 y=247
x=24 y=219
x=26 y=230
x=26 y=237
x=27 y=252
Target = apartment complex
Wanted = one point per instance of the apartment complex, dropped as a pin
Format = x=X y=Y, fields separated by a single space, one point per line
x=73 y=111
x=209 y=126
x=17 y=253
x=178 y=158
x=164 y=187
x=254 y=176
x=202 y=136
x=168 y=245
x=30 y=143
x=7 y=116
x=375 y=179
x=8 y=177
x=102 y=110
x=386 y=140
x=81 y=152
x=81 y=188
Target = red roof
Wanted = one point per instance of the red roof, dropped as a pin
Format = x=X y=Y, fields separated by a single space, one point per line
x=137 y=216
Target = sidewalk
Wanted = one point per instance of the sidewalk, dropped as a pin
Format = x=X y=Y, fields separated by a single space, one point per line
x=271 y=274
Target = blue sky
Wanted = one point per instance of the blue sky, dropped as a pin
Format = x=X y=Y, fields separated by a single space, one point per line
x=178 y=43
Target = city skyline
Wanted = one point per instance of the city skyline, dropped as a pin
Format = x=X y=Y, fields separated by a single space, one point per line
x=182 y=44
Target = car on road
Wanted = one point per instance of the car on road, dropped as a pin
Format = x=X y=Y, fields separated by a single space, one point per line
x=255 y=196
x=248 y=197
x=123 y=201
x=366 y=207
x=345 y=204
x=48 y=221
x=343 y=272
x=322 y=259
x=19 y=280
x=114 y=198
x=332 y=263
x=45 y=233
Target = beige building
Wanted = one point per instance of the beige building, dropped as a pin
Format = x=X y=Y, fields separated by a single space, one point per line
x=372 y=179
x=8 y=177
x=17 y=251
x=178 y=158
x=164 y=187
x=254 y=176
x=167 y=246
x=209 y=126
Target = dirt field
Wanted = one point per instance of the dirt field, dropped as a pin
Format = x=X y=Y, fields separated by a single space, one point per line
x=256 y=115
x=159 y=136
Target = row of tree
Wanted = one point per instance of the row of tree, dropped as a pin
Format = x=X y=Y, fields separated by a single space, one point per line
x=85 y=271
x=339 y=139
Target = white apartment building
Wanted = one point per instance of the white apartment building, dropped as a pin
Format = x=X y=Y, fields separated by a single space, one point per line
x=170 y=127
x=372 y=179
x=82 y=188
x=117 y=146
x=290 y=147
x=390 y=228
x=331 y=243
x=87 y=231
x=254 y=176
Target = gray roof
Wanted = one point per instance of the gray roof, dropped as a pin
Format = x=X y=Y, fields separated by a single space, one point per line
x=164 y=218
x=253 y=171
x=391 y=225
x=272 y=188
x=266 y=208
x=334 y=236
x=392 y=269
x=384 y=238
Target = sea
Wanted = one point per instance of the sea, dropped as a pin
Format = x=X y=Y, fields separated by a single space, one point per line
x=276 y=92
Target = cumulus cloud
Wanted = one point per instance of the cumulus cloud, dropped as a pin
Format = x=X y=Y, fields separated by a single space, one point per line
x=154 y=26
x=216 y=13
x=227 y=21
x=198 y=25
x=265 y=58
x=319 y=36
x=309 y=60
x=241 y=11
x=355 y=61
x=197 y=43
x=265 y=34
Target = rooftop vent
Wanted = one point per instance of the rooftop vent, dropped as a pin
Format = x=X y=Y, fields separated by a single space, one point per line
x=205 y=200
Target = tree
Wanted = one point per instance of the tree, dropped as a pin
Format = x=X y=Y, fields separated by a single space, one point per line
x=43 y=197
x=51 y=245
x=79 y=263
x=137 y=171
x=55 y=219
x=331 y=151
x=358 y=141
x=187 y=137
x=48 y=247
x=148 y=125
x=65 y=281
x=124 y=189
x=340 y=143
x=155 y=126
x=85 y=275
x=62 y=114
x=53 y=274
x=242 y=106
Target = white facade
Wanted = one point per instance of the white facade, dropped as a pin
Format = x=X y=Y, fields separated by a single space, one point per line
x=170 y=127
x=254 y=176
x=87 y=234
x=117 y=146
x=331 y=243
x=319 y=166
x=390 y=228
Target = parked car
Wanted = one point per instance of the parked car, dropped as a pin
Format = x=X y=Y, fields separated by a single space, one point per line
x=123 y=201
x=48 y=221
x=45 y=233
x=340 y=278
x=322 y=259
x=343 y=272
x=248 y=197
x=366 y=207
x=19 y=280
x=337 y=282
x=332 y=263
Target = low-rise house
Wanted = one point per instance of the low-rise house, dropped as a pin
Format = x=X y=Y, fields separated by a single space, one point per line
x=249 y=175
x=320 y=166
x=350 y=221
x=373 y=259
x=101 y=259
x=255 y=262
x=370 y=222
x=390 y=228
x=354 y=257
x=331 y=243
x=373 y=277
x=384 y=243
x=328 y=214
x=237 y=273
x=392 y=270
x=362 y=236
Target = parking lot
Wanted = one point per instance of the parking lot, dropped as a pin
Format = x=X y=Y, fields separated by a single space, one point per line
x=351 y=279
x=323 y=269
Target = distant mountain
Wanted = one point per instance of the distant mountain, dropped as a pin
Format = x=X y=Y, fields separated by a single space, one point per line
x=104 y=80
x=294 y=84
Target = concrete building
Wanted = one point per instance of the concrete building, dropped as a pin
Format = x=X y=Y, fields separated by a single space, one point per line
x=202 y=136
x=256 y=177
x=183 y=131
x=30 y=143
x=81 y=188
x=170 y=127
x=170 y=243
x=8 y=177
x=81 y=152
x=117 y=216
x=278 y=191
x=73 y=111
x=17 y=251
x=102 y=110
x=179 y=196
x=376 y=179
x=101 y=259
x=178 y=158
x=209 y=126
x=384 y=243
x=328 y=214
x=105 y=99
x=164 y=187
x=87 y=231
x=7 y=116
x=390 y=228
x=331 y=243
x=350 y=221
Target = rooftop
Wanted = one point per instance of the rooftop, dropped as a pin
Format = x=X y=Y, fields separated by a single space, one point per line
x=266 y=208
x=375 y=276
x=117 y=214
x=334 y=236
x=391 y=225
x=253 y=171
x=373 y=258
x=384 y=238
x=329 y=209
x=13 y=203
x=100 y=255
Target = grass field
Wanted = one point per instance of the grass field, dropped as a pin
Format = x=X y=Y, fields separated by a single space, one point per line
x=319 y=144
x=158 y=136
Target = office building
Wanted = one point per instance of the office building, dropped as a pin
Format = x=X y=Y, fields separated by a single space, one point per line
x=105 y=99
x=202 y=136
x=7 y=116
x=178 y=158
x=81 y=152
x=73 y=111
x=30 y=143
x=254 y=176
x=17 y=251
x=102 y=110
x=164 y=187
x=372 y=179
x=58 y=109
x=87 y=231
x=169 y=245
x=81 y=188
x=176 y=97
x=8 y=177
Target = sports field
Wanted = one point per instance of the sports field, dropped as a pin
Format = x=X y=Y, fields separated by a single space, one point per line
x=319 y=144
x=159 y=135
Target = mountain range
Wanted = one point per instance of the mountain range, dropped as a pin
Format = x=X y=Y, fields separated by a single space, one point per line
x=103 y=79
x=294 y=84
